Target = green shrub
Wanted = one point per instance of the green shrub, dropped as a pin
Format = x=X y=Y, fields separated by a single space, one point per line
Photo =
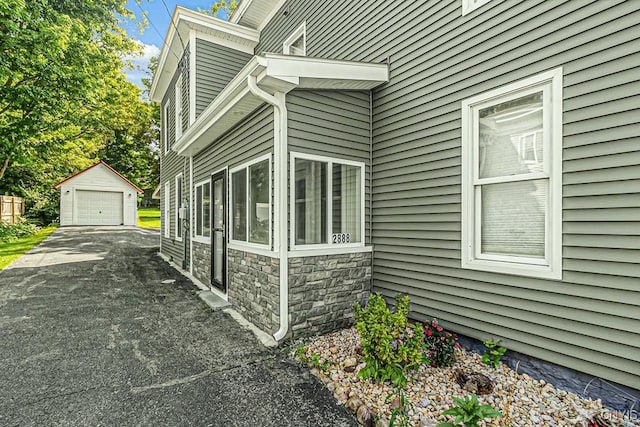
x=442 y=344
x=22 y=228
x=390 y=344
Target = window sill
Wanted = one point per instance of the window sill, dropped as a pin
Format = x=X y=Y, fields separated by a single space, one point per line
x=329 y=250
x=527 y=270
x=201 y=239
x=265 y=251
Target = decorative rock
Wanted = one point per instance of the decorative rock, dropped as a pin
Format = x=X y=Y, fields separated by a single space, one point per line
x=474 y=382
x=364 y=416
x=430 y=391
x=354 y=403
x=395 y=402
x=349 y=365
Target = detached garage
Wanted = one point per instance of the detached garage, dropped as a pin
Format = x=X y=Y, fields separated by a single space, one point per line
x=98 y=195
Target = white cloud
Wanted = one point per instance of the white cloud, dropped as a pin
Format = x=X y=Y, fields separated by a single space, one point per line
x=140 y=63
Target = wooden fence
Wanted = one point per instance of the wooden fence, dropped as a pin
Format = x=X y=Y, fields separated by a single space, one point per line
x=11 y=208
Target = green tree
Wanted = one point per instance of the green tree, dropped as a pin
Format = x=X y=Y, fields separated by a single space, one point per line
x=222 y=9
x=65 y=101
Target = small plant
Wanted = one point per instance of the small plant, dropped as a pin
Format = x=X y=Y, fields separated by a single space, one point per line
x=391 y=346
x=468 y=412
x=301 y=353
x=315 y=360
x=442 y=344
x=494 y=352
x=400 y=413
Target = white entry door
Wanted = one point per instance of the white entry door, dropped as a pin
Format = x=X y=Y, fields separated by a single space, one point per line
x=98 y=208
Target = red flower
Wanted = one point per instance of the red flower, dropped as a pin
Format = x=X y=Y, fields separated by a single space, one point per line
x=439 y=328
x=428 y=332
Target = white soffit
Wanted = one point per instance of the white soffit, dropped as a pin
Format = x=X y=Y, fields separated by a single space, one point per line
x=255 y=14
x=210 y=28
x=275 y=73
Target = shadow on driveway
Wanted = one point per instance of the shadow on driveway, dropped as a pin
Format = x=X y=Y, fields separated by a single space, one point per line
x=91 y=336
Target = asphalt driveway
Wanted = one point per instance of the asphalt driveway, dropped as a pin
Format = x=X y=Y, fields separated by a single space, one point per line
x=89 y=335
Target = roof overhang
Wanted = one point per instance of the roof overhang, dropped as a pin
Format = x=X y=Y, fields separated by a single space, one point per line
x=186 y=22
x=255 y=14
x=275 y=73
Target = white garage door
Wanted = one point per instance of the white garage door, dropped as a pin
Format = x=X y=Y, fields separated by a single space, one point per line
x=98 y=208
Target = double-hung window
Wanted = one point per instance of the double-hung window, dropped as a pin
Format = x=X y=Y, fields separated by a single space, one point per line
x=178 y=105
x=511 y=194
x=203 y=211
x=165 y=128
x=327 y=202
x=251 y=203
x=178 y=205
x=166 y=197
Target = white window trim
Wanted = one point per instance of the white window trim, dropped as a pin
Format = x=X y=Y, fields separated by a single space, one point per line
x=551 y=267
x=167 y=142
x=178 y=107
x=320 y=247
x=239 y=244
x=300 y=31
x=469 y=6
x=178 y=203
x=199 y=237
x=167 y=209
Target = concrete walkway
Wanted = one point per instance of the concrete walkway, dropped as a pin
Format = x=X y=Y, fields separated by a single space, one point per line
x=89 y=335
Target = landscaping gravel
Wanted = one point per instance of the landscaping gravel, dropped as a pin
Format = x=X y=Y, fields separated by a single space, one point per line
x=523 y=400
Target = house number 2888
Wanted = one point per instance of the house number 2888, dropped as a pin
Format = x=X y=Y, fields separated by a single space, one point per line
x=341 y=238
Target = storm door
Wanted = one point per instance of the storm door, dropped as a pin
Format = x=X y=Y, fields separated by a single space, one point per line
x=219 y=231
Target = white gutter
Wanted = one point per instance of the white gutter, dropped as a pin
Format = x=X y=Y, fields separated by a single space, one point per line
x=280 y=194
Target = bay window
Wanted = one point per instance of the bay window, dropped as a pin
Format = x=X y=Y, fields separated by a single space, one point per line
x=511 y=195
x=251 y=202
x=327 y=206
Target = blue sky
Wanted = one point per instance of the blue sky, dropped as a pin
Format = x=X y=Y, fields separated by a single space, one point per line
x=153 y=37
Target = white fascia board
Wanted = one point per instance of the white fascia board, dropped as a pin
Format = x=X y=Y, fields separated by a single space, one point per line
x=222 y=32
x=318 y=69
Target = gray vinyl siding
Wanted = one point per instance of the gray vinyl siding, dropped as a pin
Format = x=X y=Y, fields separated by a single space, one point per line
x=250 y=139
x=590 y=320
x=171 y=165
x=216 y=65
x=332 y=124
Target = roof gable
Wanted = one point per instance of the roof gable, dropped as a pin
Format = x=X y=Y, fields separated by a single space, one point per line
x=108 y=169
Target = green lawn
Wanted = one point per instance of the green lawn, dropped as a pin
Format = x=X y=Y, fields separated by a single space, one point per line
x=149 y=217
x=10 y=251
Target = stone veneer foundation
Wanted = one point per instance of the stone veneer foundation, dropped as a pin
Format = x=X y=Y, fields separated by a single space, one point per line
x=202 y=262
x=323 y=290
x=254 y=288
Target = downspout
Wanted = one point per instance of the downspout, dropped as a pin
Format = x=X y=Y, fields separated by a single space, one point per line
x=280 y=195
x=371 y=185
x=191 y=214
